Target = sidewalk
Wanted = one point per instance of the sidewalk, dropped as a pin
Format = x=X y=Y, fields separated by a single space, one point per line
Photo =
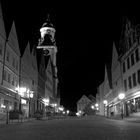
x=135 y=117
x=16 y=121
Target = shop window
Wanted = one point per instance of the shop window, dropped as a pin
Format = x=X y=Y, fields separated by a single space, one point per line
x=134 y=79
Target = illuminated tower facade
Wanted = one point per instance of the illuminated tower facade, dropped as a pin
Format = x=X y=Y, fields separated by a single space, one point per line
x=48 y=44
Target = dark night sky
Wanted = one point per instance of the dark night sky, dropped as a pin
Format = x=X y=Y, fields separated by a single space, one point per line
x=84 y=35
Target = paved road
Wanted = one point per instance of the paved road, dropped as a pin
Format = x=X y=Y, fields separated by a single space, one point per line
x=88 y=128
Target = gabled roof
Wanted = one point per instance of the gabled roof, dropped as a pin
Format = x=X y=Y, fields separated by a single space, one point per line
x=107 y=77
x=2 y=27
x=33 y=58
x=92 y=98
x=26 y=55
x=13 y=39
x=83 y=98
x=114 y=57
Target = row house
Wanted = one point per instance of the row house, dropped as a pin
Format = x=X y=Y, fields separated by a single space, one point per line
x=2 y=46
x=22 y=81
x=9 y=69
x=28 y=82
x=130 y=67
x=85 y=104
x=125 y=74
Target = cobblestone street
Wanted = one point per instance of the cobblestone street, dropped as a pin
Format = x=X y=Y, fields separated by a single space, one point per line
x=97 y=128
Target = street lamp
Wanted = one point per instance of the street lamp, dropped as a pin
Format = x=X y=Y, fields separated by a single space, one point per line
x=105 y=104
x=92 y=106
x=121 y=96
x=30 y=97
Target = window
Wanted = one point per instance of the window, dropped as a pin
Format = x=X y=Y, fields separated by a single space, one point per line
x=129 y=81
x=16 y=65
x=4 y=76
x=125 y=85
x=132 y=59
x=138 y=72
x=137 y=55
x=128 y=63
x=9 y=77
x=123 y=67
x=32 y=82
x=7 y=56
x=13 y=64
x=129 y=42
x=13 y=81
x=134 y=79
x=1 y=49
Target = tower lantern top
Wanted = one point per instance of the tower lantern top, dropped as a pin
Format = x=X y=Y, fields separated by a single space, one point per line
x=47 y=27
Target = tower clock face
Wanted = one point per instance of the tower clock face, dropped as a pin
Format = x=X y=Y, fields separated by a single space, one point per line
x=46 y=52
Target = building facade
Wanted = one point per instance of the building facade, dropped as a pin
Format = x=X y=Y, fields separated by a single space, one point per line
x=10 y=72
x=125 y=74
x=130 y=66
x=82 y=103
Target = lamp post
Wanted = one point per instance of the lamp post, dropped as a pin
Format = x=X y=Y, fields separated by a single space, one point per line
x=121 y=97
x=105 y=104
x=30 y=97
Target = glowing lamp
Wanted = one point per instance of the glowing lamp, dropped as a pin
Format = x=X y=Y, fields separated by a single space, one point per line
x=22 y=89
x=105 y=102
x=121 y=96
x=96 y=105
x=92 y=107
